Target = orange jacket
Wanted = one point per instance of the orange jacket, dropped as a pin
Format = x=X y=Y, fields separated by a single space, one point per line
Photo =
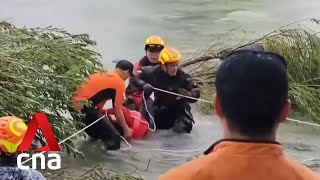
x=242 y=160
x=108 y=84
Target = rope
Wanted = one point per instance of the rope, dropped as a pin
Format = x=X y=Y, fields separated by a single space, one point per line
x=206 y=101
x=172 y=151
x=129 y=145
x=189 y=97
x=160 y=150
x=302 y=122
x=146 y=107
x=154 y=123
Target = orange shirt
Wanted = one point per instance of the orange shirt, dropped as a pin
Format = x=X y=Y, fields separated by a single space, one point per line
x=102 y=86
x=242 y=160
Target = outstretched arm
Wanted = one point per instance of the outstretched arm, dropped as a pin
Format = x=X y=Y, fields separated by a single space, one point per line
x=117 y=105
x=136 y=68
x=192 y=89
x=136 y=81
x=144 y=80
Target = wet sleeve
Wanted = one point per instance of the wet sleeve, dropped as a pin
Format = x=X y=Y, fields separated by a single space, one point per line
x=137 y=82
x=143 y=77
x=136 y=68
x=192 y=87
x=146 y=73
x=118 y=100
x=133 y=81
x=141 y=74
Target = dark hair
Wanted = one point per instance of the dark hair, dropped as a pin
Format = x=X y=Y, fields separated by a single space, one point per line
x=253 y=88
x=125 y=65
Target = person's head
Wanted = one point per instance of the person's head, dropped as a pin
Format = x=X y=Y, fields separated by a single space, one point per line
x=12 y=131
x=125 y=69
x=252 y=94
x=153 y=46
x=169 y=59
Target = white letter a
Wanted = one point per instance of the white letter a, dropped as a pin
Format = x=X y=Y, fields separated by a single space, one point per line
x=57 y=160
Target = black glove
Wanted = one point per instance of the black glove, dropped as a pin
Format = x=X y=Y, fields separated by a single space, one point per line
x=183 y=92
x=148 y=89
x=195 y=92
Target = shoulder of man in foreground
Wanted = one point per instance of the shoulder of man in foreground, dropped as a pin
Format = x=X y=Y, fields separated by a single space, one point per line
x=194 y=169
x=186 y=171
x=306 y=172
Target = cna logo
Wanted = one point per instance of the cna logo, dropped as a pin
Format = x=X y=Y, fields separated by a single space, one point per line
x=39 y=120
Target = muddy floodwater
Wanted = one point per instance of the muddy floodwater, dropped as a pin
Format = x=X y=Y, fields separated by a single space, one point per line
x=120 y=27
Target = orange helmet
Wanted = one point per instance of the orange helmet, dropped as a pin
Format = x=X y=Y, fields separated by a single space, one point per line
x=154 y=41
x=12 y=131
x=169 y=55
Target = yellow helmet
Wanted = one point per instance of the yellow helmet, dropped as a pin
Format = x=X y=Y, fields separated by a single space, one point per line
x=12 y=131
x=169 y=55
x=155 y=41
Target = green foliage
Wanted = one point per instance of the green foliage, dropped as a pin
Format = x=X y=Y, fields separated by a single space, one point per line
x=301 y=49
x=40 y=70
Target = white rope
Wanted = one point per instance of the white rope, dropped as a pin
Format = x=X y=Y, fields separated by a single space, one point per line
x=154 y=128
x=80 y=132
x=172 y=151
x=169 y=92
x=150 y=116
x=302 y=122
x=206 y=101
x=129 y=145
x=161 y=150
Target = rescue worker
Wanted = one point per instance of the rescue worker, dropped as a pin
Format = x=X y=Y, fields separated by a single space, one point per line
x=99 y=88
x=251 y=101
x=170 y=111
x=12 y=131
x=153 y=46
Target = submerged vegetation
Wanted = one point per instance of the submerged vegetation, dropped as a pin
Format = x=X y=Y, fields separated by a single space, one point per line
x=299 y=45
